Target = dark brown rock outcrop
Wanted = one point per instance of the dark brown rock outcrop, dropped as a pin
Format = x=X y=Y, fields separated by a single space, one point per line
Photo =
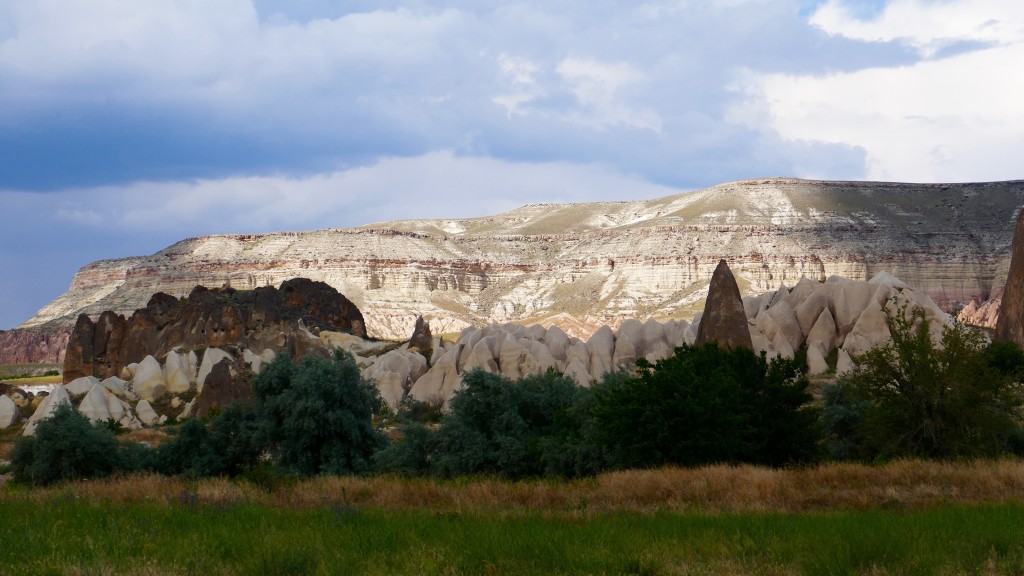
x=1010 y=322
x=280 y=319
x=221 y=389
x=422 y=339
x=724 y=320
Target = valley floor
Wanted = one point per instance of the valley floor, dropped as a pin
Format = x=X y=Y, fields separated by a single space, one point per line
x=902 y=518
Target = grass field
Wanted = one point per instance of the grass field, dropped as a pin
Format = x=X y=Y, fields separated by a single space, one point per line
x=71 y=536
x=903 y=518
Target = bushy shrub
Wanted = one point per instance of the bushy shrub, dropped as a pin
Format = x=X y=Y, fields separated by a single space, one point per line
x=959 y=399
x=410 y=454
x=842 y=418
x=66 y=446
x=708 y=404
x=573 y=447
x=226 y=444
x=495 y=425
x=316 y=415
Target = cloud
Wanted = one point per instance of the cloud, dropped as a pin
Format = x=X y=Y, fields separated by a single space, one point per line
x=927 y=25
x=110 y=92
x=435 y=185
x=956 y=119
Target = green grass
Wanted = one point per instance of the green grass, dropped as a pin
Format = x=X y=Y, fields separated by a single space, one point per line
x=71 y=536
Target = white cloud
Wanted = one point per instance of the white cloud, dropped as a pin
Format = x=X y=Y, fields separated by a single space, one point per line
x=598 y=87
x=433 y=185
x=928 y=25
x=951 y=119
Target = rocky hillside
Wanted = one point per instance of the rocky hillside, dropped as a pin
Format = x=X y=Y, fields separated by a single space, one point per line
x=583 y=265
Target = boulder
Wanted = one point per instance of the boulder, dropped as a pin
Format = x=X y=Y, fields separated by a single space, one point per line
x=117 y=387
x=81 y=386
x=724 y=319
x=149 y=383
x=211 y=357
x=94 y=406
x=177 y=375
x=148 y=416
x=56 y=397
x=8 y=412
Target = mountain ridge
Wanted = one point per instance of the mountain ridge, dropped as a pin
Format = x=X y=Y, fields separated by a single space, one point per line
x=598 y=262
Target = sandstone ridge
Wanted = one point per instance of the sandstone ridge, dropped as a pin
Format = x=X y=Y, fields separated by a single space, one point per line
x=585 y=265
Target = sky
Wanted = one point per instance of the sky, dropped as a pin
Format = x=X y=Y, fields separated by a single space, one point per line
x=128 y=125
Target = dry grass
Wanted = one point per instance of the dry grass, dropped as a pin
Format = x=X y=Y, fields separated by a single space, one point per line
x=713 y=489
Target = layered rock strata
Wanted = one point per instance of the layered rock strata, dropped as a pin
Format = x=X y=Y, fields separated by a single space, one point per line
x=584 y=265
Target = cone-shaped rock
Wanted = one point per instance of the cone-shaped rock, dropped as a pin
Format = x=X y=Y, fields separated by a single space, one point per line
x=1010 y=324
x=724 y=320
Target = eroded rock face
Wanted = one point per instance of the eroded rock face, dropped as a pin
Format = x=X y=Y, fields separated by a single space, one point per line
x=724 y=320
x=546 y=263
x=220 y=389
x=40 y=344
x=264 y=318
x=1010 y=323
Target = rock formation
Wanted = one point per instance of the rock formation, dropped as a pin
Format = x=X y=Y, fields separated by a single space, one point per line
x=586 y=265
x=421 y=338
x=264 y=318
x=1010 y=323
x=220 y=388
x=724 y=320
x=8 y=412
x=46 y=408
x=984 y=314
x=837 y=320
x=37 y=345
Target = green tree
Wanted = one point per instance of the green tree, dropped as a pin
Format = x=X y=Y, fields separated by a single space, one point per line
x=66 y=446
x=959 y=399
x=316 y=415
x=495 y=425
x=225 y=445
x=709 y=404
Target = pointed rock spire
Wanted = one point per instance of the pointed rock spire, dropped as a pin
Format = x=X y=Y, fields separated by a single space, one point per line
x=724 y=320
x=1010 y=323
